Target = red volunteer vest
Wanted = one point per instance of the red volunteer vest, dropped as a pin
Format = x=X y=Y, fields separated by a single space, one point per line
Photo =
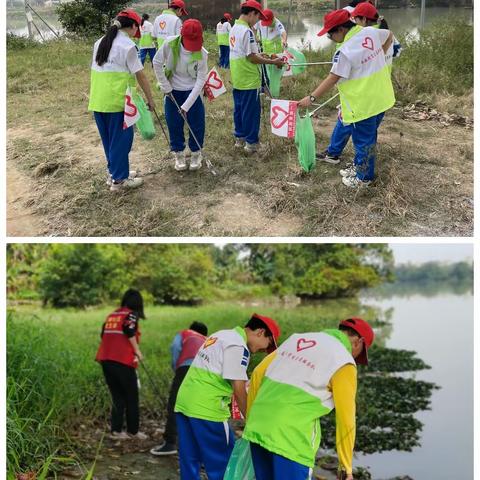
x=115 y=345
x=191 y=343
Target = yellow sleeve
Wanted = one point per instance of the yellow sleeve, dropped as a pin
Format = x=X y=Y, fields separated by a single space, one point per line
x=344 y=389
x=257 y=377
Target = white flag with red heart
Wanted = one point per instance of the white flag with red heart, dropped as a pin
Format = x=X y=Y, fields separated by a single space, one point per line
x=214 y=86
x=288 y=58
x=131 y=114
x=283 y=115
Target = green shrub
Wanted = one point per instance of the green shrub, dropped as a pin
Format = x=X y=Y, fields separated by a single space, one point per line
x=439 y=60
x=17 y=42
x=89 y=17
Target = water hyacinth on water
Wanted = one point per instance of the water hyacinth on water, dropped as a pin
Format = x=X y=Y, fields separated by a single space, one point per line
x=386 y=404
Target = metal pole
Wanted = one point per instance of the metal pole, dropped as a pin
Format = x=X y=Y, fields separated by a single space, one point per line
x=323 y=104
x=289 y=15
x=36 y=13
x=29 y=21
x=422 y=15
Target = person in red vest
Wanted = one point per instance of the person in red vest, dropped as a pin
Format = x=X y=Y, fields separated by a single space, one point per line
x=119 y=354
x=184 y=347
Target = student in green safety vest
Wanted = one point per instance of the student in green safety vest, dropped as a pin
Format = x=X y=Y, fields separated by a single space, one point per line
x=223 y=32
x=245 y=60
x=365 y=15
x=168 y=23
x=203 y=400
x=308 y=376
x=362 y=77
x=181 y=68
x=146 y=43
x=271 y=33
x=115 y=66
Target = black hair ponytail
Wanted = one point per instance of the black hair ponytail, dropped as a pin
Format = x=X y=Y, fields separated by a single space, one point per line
x=106 y=43
x=383 y=24
x=145 y=16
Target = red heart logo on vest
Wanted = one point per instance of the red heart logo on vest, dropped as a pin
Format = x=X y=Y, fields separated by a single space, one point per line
x=232 y=41
x=368 y=43
x=217 y=82
x=162 y=25
x=280 y=117
x=131 y=105
x=303 y=344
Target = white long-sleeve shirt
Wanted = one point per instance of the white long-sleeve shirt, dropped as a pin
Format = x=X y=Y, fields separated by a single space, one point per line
x=187 y=74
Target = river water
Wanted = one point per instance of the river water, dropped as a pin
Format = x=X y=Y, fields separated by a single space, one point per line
x=439 y=327
x=302 y=27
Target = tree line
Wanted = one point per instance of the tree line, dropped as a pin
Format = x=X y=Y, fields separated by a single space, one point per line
x=79 y=275
x=435 y=272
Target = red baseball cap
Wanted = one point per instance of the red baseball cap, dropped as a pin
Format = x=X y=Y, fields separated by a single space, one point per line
x=228 y=16
x=273 y=327
x=133 y=15
x=180 y=4
x=365 y=331
x=269 y=16
x=334 y=19
x=192 y=35
x=365 y=9
x=255 y=5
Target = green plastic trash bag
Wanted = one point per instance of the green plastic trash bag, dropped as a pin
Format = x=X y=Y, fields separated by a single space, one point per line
x=298 y=57
x=275 y=79
x=145 y=122
x=240 y=466
x=305 y=142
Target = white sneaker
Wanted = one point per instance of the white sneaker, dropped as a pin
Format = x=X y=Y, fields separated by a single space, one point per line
x=349 y=171
x=127 y=184
x=180 y=162
x=355 y=182
x=139 y=436
x=131 y=174
x=196 y=160
x=119 y=436
x=239 y=143
x=251 y=148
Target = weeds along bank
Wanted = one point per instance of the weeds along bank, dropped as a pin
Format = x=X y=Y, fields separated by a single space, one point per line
x=55 y=388
x=54 y=385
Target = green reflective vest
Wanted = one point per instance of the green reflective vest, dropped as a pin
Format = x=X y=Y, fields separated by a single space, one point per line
x=294 y=394
x=369 y=90
x=204 y=393
x=245 y=74
x=108 y=83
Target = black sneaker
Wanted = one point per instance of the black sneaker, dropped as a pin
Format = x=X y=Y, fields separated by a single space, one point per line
x=164 y=449
x=327 y=157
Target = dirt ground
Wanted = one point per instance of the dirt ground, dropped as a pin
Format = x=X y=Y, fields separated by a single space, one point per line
x=56 y=185
x=120 y=460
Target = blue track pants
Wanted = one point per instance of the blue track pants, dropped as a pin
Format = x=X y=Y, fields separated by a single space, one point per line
x=270 y=466
x=116 y=141
x=224 y=61
x=175 y=122
x=246 y=114
x=202 y=442
x=144 y=52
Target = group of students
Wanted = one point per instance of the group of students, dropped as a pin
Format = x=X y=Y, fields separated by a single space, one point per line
x=360 y=71
x=297 y=383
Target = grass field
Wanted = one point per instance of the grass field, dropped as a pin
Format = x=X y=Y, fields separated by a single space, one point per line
x=56 y=174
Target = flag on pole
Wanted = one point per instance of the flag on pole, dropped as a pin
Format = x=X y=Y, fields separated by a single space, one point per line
x=283 y=117
x=292 y=56
x=131 y=115
x=214 y=86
